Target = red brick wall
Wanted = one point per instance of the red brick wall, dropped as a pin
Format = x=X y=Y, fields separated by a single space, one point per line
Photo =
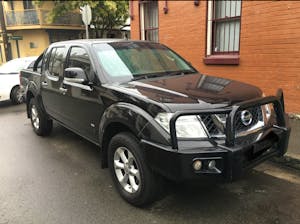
x=269 y=43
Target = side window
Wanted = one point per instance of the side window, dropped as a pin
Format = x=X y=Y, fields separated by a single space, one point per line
x=80 y=58
x=50 y=61
x=39 y=66
x=46 y=60
x=31 y=65
x=56 y=61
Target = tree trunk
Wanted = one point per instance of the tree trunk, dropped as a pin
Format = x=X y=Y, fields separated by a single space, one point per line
x=101 y=33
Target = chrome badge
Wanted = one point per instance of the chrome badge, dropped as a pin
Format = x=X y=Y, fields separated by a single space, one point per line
x=246 y=117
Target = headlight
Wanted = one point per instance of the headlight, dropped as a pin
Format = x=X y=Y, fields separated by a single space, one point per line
x=186 y=126
x=267 y=111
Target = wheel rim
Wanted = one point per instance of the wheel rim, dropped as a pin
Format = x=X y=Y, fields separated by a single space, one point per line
x=35 y=117
x=126 y=170
x=19 y=96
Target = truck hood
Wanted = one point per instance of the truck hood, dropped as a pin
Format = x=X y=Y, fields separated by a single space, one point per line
x=191 y=90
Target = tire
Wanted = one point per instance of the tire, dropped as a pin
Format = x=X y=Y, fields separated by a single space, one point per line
x=16 y=95
x=40 y=122
x=141 y=186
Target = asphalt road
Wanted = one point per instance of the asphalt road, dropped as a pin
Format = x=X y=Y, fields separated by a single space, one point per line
x=58 y=179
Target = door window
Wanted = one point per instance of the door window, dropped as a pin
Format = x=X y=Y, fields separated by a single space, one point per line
x=79 y=58
x=56 y=61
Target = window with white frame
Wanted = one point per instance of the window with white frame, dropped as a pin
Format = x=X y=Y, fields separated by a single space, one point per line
x=149 y=20
x=223 y=27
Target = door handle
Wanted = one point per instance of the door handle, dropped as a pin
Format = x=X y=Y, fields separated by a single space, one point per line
x=63 y=90
x=44 y=83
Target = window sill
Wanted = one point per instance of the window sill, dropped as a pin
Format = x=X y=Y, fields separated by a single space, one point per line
x=222 y=60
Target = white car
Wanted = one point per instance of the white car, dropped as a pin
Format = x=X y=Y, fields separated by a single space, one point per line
x=10 y=81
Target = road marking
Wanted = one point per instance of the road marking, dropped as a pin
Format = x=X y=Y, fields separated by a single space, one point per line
x=278 y=172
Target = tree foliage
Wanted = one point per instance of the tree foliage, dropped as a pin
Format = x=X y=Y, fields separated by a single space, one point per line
x=105 y=14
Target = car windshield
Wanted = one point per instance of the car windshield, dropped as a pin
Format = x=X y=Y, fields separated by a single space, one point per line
x=136 y=60
x=14 y=66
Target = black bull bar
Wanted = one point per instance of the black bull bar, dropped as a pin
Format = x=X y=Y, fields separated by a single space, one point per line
x=278 y=105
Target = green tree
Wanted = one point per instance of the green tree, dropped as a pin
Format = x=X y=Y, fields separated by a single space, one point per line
x=105 y=14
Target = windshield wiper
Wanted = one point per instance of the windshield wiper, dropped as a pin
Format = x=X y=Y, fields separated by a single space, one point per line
x=147 y=76
x=164 y=74
x=139 y=77
x=182 y=72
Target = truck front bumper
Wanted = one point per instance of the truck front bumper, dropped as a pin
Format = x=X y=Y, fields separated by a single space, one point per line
x=227 y=159
x=230 y=162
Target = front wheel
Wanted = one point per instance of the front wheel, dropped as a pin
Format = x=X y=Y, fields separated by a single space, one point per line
x=134 y=180
x=40 y=122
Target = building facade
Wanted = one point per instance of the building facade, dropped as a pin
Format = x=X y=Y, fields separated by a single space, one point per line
x=29 y=30
x=257 y=42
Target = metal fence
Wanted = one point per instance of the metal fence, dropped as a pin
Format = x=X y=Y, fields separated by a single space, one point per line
x=40 y=17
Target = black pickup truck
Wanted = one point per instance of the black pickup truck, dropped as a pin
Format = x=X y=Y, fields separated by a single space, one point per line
x=152 y=114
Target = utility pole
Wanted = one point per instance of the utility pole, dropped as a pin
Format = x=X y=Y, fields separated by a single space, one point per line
x=3 y=31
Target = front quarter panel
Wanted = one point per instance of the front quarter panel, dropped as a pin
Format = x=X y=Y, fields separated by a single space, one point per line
x=137 y=120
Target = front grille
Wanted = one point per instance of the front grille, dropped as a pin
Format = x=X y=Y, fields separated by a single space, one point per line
x=256 y=116
x=210 y=125
x=215 y=124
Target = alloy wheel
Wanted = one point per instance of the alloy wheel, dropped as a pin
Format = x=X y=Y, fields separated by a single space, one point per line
x=35 y=117
x=126 y=170
x=19 y=96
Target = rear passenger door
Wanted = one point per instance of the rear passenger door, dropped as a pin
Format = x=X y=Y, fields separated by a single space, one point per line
x=51 y=81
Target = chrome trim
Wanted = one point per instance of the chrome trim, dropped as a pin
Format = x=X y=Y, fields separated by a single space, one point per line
x=203 y=126
x=44 y=83
x=246 y=117
x=74 y=80
x=220 y=124
x=264 y=112
x=63 y=90
x=81 y=86
x=255 y=128
x=52 y=78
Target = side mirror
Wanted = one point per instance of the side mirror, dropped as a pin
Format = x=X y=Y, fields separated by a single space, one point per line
x=75 y=75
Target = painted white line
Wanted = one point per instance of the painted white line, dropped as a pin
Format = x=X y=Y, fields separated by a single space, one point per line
x=278 y=172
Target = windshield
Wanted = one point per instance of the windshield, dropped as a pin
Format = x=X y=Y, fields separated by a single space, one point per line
x=136 y=60
x=14 y=66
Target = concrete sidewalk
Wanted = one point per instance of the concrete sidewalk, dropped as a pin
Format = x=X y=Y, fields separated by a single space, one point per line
x=292 y=157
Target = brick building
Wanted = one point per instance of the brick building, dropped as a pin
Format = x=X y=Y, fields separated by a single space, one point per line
x=257 y=42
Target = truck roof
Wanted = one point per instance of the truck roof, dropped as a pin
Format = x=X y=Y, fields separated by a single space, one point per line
x=92 y=41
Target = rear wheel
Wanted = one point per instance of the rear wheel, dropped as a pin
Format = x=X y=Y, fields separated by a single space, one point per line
x=41 y=124
x=134 y=180
x=16 y=95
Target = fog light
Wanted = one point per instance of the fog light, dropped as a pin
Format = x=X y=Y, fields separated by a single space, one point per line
x=197 y=165
x=212 y=165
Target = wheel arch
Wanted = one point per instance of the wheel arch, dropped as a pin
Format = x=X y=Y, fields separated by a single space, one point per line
x=14 y=86
x=29 y=96
x=32 y=91
x=111 y=130
x=11 y=91
x=125 y=117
